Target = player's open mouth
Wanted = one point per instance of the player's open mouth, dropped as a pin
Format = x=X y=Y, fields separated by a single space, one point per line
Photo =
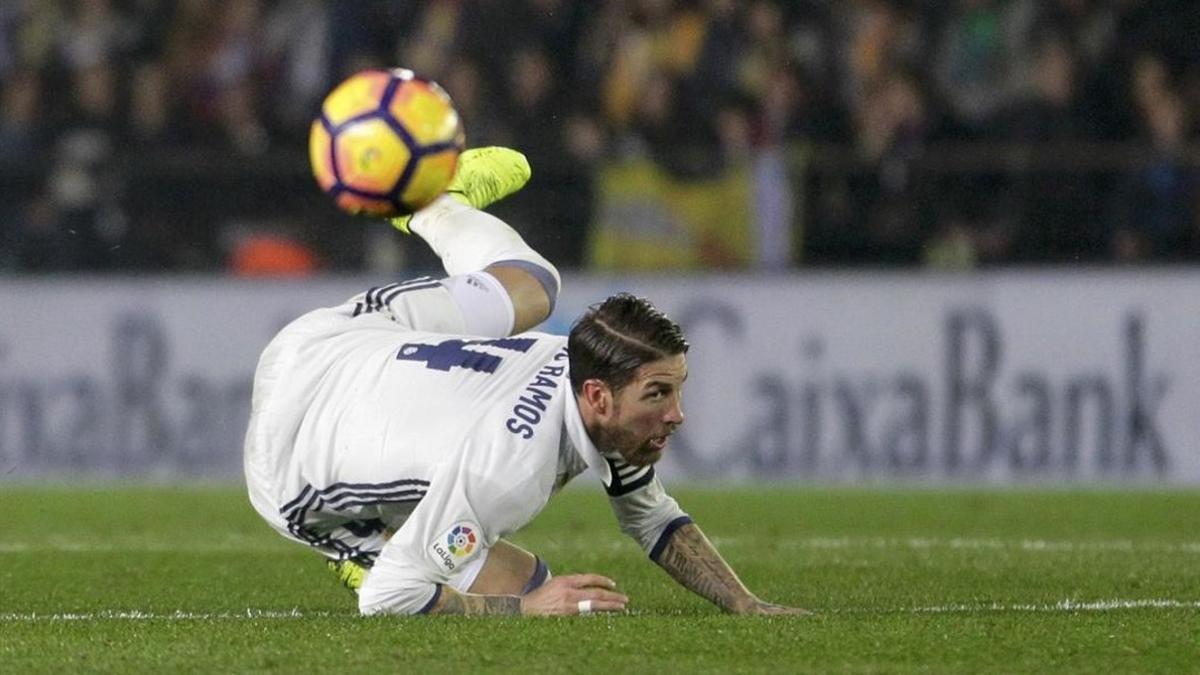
x=658 y=442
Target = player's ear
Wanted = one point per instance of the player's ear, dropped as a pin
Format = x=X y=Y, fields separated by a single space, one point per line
x=598 y=396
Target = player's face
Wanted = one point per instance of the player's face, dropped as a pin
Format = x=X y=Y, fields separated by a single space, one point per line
x=648 y=410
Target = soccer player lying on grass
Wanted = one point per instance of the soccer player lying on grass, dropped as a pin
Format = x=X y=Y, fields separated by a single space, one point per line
x=406 y=432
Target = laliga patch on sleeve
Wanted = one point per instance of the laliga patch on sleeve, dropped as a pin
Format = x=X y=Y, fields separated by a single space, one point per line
x=457 y=545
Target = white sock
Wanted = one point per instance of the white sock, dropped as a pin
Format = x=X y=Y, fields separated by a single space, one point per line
x=468 y=240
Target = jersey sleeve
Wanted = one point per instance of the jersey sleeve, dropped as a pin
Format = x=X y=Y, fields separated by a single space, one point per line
x=460 y=515
x=643 y=508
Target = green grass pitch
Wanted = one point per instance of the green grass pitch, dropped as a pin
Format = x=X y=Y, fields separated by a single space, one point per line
x=152 y=579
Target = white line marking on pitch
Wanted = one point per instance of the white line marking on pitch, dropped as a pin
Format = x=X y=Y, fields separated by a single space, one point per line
x=269 y=614
x=970 y=544
x=137 y=615
x=56 y=545
x=1060 y=606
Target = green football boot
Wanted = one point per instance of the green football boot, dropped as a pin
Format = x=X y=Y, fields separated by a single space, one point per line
x=349 y=573
x=484 y=177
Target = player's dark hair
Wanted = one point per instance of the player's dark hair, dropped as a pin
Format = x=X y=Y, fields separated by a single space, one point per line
x=616 y=337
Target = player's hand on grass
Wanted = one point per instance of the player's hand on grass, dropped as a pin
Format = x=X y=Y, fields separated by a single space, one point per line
x=563 y=595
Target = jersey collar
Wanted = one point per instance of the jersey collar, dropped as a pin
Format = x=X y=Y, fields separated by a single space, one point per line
x=577 y=434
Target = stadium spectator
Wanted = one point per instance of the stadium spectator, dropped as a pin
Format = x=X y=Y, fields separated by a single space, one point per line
x=20 y=114
x=1059 y=216
x=557 y=208
x=874 y=37
x=978 y=58
x=1154 y=212
x=895 y=125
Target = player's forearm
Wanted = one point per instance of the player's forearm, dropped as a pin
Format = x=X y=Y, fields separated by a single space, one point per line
x=690 y=558
x=453 y=602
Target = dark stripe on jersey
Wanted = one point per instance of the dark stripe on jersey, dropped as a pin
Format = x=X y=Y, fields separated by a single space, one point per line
x=642 y=482
x=630 y=471
x=344 y=551
x=303 y=494
x=437 y=593
x=373 y=486
x=374 y=293
x=359 y=494
x=541 y=572
x=309 y=494
x=317 y=502
x=392 y=296
x=297 y=513
x=623 y=486
x=335 y=487
x=665 y=537
x=374 y=299
x=382 y=500
x=391 y=495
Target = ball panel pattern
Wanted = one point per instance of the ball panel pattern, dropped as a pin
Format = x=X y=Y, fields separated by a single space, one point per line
x=320 y=156
x=426 y=112
x=362 y=205
x=370 y=158
x=433 y=172
x=359 y=95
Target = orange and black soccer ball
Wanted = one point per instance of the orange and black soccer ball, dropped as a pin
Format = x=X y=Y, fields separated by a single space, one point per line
x=386 y=143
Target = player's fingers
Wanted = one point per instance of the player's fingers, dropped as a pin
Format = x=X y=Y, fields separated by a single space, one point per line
x=607 y=606
x=599 y=594
x=585 y=580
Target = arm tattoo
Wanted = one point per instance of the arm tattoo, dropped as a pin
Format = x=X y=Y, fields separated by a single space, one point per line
x=693 y=561
x=467 y=604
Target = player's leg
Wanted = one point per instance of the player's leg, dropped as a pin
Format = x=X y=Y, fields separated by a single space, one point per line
x=531 y=296
x=471 y=241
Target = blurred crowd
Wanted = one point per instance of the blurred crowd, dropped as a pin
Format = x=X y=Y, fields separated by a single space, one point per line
x=169 y=135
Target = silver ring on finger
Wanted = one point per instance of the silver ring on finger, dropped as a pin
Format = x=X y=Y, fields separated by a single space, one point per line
x=585 y=607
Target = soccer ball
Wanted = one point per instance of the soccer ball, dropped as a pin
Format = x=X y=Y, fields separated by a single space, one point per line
x=386 y=143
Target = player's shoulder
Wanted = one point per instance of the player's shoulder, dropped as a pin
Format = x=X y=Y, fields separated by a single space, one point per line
x=530 y=347
x=545 y=350
x=548 y=343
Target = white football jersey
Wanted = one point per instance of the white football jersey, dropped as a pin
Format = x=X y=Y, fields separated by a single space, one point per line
x=379 y=415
